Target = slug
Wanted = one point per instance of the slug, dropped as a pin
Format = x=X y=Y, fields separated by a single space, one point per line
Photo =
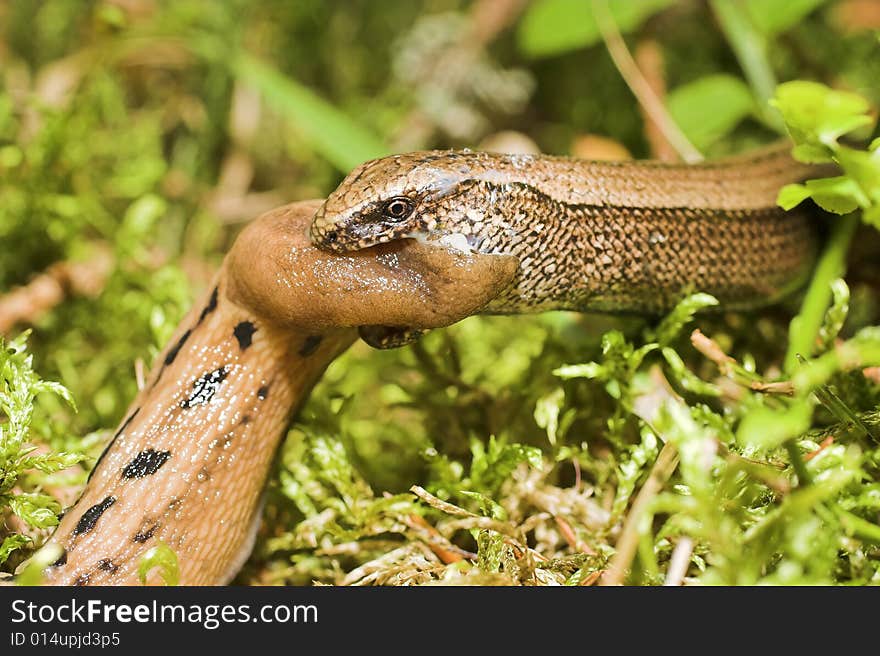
x=188 y=463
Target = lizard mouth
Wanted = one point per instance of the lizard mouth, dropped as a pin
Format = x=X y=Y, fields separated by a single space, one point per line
x=455 y=241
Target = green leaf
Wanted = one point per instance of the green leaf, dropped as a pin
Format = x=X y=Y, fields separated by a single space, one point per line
x=32 y=573
x=836 y=314
x=685 y=377
x=695 y=443
x=49 y=463
x=707 y=109
x=871 y=216
x=812 y=153
x=858 y=527
x=38 y=510
x=547 y=412
x=587 y=370
x=335 y=136
x=491 y=465
x=142 y=215
x=839 y=195
x=816 y=116
x=863 y=168
x=775 y=16
x=57 y=389
x=490 y=550
x=488 y=507
x=863 y=350
x=792 y=195
x=632 y=468
x=552 y=27
x=163 y=557
x=12 y=543
x=681 y=315
x=767 y=428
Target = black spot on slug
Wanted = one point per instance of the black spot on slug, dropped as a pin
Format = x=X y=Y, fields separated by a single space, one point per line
x=107 y=565
x=205 y=387
x=107 y=448
x=210 y=307
x=263 y=392
x=82 y=579
x=310 y=345
x=62 y=560
x=145 y=463
x=143 y=536
x=92 y=515
x=244 y=333
x=176 y=348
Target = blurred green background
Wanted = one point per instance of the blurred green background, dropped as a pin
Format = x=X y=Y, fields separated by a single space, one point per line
x=138 y=136
x=160 y=127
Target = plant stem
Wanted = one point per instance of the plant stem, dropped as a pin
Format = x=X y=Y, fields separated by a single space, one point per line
x=627 y=543
x=640 y=87
x=798 y=464
x=750 y=48
x=804 y=328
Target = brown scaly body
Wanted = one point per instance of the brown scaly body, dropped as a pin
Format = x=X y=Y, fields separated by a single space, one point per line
x=188 y=464
x=589 y=236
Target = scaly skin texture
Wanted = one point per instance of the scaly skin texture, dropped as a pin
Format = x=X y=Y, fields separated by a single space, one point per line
x=590 y=236
x=188 y=463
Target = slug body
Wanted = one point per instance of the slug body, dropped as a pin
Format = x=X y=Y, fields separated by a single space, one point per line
x=188 y=463
x=628 y=236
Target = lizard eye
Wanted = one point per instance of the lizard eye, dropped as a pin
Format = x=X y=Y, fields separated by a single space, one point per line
x=397 y=209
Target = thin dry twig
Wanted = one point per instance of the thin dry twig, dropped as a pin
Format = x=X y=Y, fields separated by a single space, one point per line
x=591 y=578
x=411 y=563
x=440 y=504
x=28 y=303
x=872 y=374
x=140 y=374
x=442 y=548
x=780 y=387
x=649 y=59
x=728 y=367
x=710 y=348
x=627 y=543
x=640 y=87
x=571 y=537
x=232 y=199
x=680 y=561
x=489 y=18
x=824 y=444
x=531 y=522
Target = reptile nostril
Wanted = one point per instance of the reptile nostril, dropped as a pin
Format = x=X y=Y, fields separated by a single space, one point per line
x=331 y=237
